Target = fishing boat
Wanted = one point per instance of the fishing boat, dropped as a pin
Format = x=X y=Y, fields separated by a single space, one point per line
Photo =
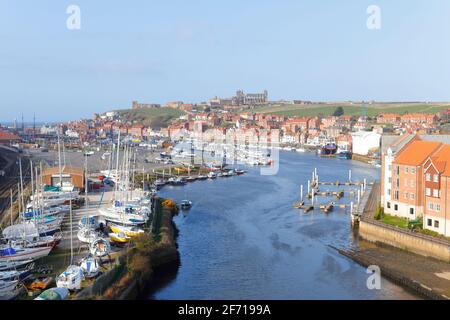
x=239 y=171
x=202 y=177
x=17 y=254
x=54 y=294
x=71 y=278
x=119 y=238
x=100 y=247
x=90 y=266
x=186 y=204
x=129 y=231
x=329 y=148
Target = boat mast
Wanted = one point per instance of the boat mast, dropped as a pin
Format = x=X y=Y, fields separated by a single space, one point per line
x=59 y=162
x=21 y=184
x=32 y=183
x=11 y=209
x=116 y=185
x=71 y=233
x=86 y=182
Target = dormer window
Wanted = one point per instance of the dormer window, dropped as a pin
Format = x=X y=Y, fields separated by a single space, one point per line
x=428 y=177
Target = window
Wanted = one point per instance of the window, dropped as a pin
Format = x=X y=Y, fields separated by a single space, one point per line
x=389 y=167
x=413 y=170
x=428 y=192
x=430 y=206
x=390 y=179
x=397 y=183
x=406 y=169
x=389 y=192
x=435 y=178
x=388 y=204
x=438 y=207
x=436 y=193
x=411 y=210
x=395 y=207
x=429 y=222
x=411 y=183
x=396 y=194
x=428 y=177
x=397 y=169
x=412 y=196
x=436 y=223
x=406 y=195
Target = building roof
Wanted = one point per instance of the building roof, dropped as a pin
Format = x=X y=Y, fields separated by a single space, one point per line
x=65 y=170
x=8 y=136
x=416 y=152
x=441 y=159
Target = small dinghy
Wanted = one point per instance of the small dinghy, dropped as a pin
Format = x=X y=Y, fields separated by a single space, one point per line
x=40 y=283
x=129 y=231
x=119 y=238
x=70 y=279
x=90 y=266
x=100 y=247
x=186 y=204
x=54 y=294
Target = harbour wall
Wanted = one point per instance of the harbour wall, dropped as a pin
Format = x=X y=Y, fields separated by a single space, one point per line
x=375 y=231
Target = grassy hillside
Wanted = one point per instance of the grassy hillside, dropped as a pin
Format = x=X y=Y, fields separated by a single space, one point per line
x=155 y=117
x=354 y=109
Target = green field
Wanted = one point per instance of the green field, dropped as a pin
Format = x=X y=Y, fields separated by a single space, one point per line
x=353 y=109
x=155 y=118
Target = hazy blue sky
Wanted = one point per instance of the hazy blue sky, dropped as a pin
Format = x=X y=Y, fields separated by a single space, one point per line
x=156 y=51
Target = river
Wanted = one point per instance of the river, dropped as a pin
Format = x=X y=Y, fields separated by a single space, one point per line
x=243 y=240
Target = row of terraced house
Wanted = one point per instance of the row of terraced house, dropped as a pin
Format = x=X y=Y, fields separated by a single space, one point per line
x=415 y=179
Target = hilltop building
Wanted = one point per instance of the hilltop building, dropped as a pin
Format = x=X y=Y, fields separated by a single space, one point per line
x=137 y=105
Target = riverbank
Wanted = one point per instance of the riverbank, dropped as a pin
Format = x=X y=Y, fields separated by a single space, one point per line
x=430 y=278
x=134 y=269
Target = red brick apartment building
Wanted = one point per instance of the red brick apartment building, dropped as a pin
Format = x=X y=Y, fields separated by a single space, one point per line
x=416 y=181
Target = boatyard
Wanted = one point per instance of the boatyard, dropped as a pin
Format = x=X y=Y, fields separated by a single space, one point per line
x=73 y=216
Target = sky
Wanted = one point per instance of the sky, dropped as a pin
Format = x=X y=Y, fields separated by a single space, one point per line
x=159 y=51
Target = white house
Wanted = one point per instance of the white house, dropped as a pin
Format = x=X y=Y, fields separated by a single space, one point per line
x=364 y=141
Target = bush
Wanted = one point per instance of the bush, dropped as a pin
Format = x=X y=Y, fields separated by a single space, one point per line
x=144 y=243
x=379 y=212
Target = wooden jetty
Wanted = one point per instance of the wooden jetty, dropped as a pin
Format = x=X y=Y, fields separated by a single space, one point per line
x=339 y=183
x=327 y=207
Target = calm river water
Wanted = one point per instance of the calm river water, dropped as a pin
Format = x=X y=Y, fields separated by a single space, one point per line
x=243 y=240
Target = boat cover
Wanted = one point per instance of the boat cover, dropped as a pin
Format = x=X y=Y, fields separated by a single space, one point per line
x=20 y=231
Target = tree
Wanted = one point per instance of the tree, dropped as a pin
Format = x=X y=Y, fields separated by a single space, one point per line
x=338 y=112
